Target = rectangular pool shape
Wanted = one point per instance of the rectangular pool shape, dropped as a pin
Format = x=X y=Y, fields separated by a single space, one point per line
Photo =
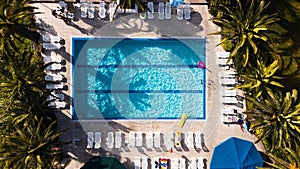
x=138 y=78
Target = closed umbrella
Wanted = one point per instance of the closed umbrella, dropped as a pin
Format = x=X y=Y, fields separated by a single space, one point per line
x=235 y=153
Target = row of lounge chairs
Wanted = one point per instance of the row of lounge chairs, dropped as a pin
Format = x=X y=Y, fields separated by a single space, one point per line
x=229 y=97
x=227 y=78
x=53 y=76
x=87 y=9
x=51 y=42
x=94 y=140
x=222 y=58
x=149 y=140
x=164 y=10
x=165 y=163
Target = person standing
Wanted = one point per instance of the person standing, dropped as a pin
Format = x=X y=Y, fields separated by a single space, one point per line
x=244 y=125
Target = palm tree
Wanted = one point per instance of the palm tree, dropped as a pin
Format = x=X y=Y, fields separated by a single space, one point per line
x=262 y=79
x=248 y=29
x=16 y=22
x=277 y=117
x=31 y=147
x=291 y=159
x=22 y=76
x=216 y=10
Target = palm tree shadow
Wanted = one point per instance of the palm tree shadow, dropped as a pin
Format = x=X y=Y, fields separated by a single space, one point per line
x=82 y=30
x=46 y=27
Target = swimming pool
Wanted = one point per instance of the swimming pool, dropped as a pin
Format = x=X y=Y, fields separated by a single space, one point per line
x=138 y=78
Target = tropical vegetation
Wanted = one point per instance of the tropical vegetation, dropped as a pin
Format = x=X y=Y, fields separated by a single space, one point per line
x=27 y=126
x=261 y=37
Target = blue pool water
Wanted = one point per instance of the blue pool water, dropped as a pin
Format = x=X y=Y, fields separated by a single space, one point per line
x=138 y=78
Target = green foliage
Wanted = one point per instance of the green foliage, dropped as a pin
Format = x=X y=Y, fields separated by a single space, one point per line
x=277 y=115
x=23 y=76
x=291 y=160
x=260 y=80
x=274 y=109
x=247 y=30
x=30 y=147
x=16 y=24
x=215 y=8
x=228 y=45
x=27 y=125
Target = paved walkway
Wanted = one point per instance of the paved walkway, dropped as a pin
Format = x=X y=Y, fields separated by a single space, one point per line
x=132 y=26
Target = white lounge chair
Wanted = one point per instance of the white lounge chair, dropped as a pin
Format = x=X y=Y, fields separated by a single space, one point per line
x=97 y=139
x=178 y=139
x=149 y=140
x=169 y=140
x=200 y=163
x=223 y=62
x=63 y=5
x=53 y=86
x=112 y=9
x=168 y=10
x=139 y=139
x=198 y=140
x=60 y=96
x=91 y=10
x=153 y=161
x=118 y=140
x=182 y=163
x=193 y=163
x=131 y=139
x=53 y=77
x=228 y=81
x=54 y=66
x=49 y=59
x=227 y=74
x=187 y=10
x=229 y=100
x=51 y=38
x=144 y=163
x=54 y=96
x=52 y=59
x=57 y=104
x=161 y=8
x=223 y=55
x=189 y=139
x=151 y=12
x=137 y=163
x=179 y=11
x=227 y=111
x=174 y=163
x=102 y=10
x=229 y=93
x=83 y=9
x=51 y=46
x=90 y=140
x=157 y=139
x=51 y=98
x=110 y=140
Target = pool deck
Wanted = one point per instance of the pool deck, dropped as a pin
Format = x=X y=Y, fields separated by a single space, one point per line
x=132 y=26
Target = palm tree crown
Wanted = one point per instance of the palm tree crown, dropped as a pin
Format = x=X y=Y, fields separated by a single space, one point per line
x=246 y=29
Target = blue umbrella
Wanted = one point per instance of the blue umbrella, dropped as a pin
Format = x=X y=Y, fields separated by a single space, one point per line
x=235 y=153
